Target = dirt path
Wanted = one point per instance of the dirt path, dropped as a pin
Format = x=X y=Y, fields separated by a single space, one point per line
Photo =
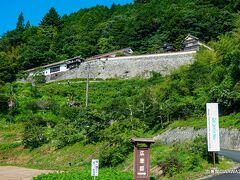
x=17 y=173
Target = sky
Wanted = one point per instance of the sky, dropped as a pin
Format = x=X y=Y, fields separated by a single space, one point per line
x=34 y=10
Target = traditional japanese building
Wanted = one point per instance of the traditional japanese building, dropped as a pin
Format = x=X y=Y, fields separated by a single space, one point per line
x=168 y=47
x=192 y=43
x=57 y=67
x=121 y=52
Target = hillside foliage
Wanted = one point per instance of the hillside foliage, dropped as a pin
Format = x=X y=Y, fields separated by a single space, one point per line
x=55 y=113
x=144 y=26
x=120 y=109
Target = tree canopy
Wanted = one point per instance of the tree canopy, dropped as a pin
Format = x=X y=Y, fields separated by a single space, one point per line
x=52 y=19
x=144 y=26
x=20 y=23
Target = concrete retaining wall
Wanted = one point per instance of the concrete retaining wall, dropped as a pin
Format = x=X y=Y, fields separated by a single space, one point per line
x=127 y=67
x=229 y=138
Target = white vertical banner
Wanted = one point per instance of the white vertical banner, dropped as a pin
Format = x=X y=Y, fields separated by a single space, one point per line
x=213 y=127
x=95 y=166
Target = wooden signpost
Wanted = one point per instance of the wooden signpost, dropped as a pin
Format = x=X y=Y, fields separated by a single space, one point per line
x=142 y=158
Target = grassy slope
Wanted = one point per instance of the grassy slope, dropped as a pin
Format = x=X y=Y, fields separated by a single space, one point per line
x=230 y=121
x=79 y=155
x=45 y=157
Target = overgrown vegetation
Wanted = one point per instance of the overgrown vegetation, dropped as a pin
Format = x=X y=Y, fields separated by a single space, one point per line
x=105 y=174
x=167 y=162
x=186 y=157
x=55 y=114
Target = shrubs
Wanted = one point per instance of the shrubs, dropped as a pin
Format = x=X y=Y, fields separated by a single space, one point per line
x=171 y=165
x=199 y=146
x=66 y=133
x=3 y=103
x=111 y=156
x=185 y=157
x=117 y=138
x=39 y=77
x=34 y=134
x=41 y=104
x=104 y=174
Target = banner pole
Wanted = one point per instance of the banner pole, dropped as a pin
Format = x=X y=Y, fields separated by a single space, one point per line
x=214 y=159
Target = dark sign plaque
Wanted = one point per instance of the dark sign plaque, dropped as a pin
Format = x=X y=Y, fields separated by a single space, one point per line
x=142 y=159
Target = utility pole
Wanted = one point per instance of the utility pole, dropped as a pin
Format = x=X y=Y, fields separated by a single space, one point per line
x=161 y=118
x=87 y=83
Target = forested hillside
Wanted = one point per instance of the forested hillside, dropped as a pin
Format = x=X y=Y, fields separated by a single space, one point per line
x=49 y=119
x=144 y=26
x=47 y=125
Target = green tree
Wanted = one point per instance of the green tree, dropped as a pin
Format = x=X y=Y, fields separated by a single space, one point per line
x=141 y=1
x=52 y=19
x=20 y=23
x=34 y=134
x=9 y=65
x=39 y=48
x=15 y=37
x=28 y=25
x=106 y=45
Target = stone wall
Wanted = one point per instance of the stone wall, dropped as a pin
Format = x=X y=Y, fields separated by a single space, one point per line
x=229 y=138
x=128 y=67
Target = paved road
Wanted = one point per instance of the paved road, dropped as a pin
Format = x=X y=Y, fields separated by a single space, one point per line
x=234 y=155
x=235 y=174
x=17 y=173
x=227 y=176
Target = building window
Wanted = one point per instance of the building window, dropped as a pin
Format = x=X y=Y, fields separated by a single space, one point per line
x=190 y=44
x=55 y=69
